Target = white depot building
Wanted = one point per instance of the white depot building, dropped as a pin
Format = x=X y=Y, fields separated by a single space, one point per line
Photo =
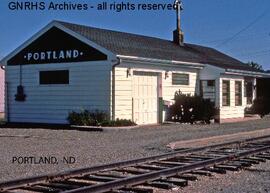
x=68 y=67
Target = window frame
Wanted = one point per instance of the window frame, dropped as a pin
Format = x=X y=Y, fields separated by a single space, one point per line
x=183 y=84
x=248 y=93
x=239 y=94
x=227 y=94
x=53 y=83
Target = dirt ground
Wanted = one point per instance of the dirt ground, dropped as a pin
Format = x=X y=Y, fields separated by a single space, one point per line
x=95 y=148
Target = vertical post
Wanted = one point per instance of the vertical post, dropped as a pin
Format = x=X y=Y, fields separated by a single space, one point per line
x=113 y=94
x=160 y=102
x=201 y=92
x=160 y=99
x=113 y=88
x=133 y=109
x=218 y=100
x=254 y=89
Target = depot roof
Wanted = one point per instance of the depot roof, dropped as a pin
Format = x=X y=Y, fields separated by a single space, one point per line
x=128 y=44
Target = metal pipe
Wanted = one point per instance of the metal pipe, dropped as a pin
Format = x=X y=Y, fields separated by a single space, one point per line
x=178 y=14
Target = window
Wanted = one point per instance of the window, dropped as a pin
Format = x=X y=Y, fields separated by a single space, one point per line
x=226 y=93
x=210 y=83
x=238 y=93
x=249 y=91
x=54 y=77
x=180 y=79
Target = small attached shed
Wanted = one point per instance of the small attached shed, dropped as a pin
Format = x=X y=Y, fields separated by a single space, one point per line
x=233 y=87
x=68 y=67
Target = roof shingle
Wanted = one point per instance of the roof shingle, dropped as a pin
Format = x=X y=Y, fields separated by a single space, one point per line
x=128 y=44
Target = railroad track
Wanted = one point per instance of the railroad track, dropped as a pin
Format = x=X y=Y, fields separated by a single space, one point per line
x=165 y=171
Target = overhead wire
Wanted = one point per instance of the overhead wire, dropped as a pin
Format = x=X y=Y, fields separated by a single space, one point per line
x=254 y=53
x=243 y=29
x=260 y=35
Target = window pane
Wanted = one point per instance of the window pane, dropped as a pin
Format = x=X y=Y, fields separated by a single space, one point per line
x=249 y=91
x=180 y=79
x=54 y=77
x=226 y=93
x=238 y=93
x=211 y=83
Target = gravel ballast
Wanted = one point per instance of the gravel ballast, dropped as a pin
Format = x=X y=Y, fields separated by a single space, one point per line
x=94 y=148
x=251 y=180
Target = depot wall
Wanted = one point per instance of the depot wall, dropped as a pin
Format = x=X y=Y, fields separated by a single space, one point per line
x=124 y=92
x=89 y=88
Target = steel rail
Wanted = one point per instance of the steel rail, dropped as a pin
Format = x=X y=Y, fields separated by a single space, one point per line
x=84 y=171
x=143 y=178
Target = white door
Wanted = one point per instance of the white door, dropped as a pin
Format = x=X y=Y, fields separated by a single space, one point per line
x=145 y=97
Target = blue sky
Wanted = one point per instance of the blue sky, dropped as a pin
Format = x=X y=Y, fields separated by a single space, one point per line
x=210 y=23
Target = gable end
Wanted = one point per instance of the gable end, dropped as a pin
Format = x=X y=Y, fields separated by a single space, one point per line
x=56 y=46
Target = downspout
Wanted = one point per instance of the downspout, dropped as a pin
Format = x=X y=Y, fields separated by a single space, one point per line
x=113 y=86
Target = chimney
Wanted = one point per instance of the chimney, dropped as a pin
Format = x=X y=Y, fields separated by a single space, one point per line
x=178 y=35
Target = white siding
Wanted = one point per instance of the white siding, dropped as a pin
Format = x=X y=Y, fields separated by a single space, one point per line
x=89 y=88
x=124 y=85
x=232 y=111
x=169 y=90
x=210 y=72
x=123 y=94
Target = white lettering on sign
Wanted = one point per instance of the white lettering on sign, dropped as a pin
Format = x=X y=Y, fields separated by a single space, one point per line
x=42 y=56
x=75 y=53
x=49 y=55
x=29 y=55
x=53 y=55
x=36 y=56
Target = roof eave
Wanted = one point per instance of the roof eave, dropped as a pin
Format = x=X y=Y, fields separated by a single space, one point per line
x=248 y=73
x=161 y=62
